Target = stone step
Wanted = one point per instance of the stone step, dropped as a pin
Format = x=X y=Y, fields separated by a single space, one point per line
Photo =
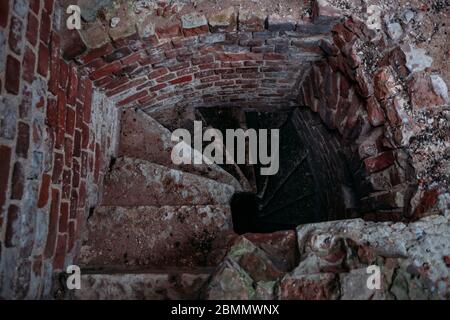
x=156 y=236
x=176 y=284
x=134 y=182
x=143 y=137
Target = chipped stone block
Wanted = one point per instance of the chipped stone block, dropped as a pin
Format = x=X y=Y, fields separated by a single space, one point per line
x=156 y=236
x=395 y=31
x=324 y=286
x=223 y=21
x=144 y=138
x=276 y=22
x=423 y=94
x=163 y=186
x=416 y=58
x=146 y=27
x=89 y=8
x=425 y=241
x=94 y=35
x=122 y=28
x=252 y=21
x=230 y=282
x=141 y=286
x=324 y=12
x=194 y=23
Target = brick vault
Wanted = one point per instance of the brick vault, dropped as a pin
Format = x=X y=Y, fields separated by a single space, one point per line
x=358 y=92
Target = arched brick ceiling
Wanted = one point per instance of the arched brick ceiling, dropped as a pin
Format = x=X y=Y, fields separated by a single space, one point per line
x=155 y=57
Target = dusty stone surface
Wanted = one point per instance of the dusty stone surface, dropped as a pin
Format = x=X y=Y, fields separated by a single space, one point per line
x=334 y=257
x=223 y=21
x=143 y=183
x=154 y=285
x=144 y=138
x=156 y=236
x=419 y=248
x=245 y=269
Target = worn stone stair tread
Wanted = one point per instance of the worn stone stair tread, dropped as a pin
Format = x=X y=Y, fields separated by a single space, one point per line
x=172 y=270
x=135 y=182
x=153 y=236
x=170 y=284
x=143 y=137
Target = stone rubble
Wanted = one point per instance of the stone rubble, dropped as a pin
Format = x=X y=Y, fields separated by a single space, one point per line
x=334 y=257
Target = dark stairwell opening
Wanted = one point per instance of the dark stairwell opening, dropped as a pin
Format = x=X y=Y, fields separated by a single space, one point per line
x=316 y=179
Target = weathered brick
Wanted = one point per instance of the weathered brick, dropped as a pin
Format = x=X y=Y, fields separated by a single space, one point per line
x=60 y=252
x=179 y=66
x=106 y=70
x=18 y=180
x=45 y=27
x=73 y=204
x=68 y=152
x=132 y=98
x=71 y=240
x=5 y=159
x=73 y=86
x=158 y=73
x=35 y=6
x=61 y=127
x=96 y=53
x=44 y=191
x=166 y=78
x=70 y=121
x=274 y=56
x=181 y=80
x=169 y=31
x=379 y=162
x=66 y=184
x=12 y=76
x=28 y=65
x=15 y=35
x=77 y=144
x=32 y=27
x=64 y=218
x=43 y=61
x=4 y=13
x=58 y=165
x=85 y=136
x=23 y=140
x=48 y=6
x=375 y=112
x=133 y=58
x=63 y=74
x=82 y=194
x=53 y=224
x=54 y=63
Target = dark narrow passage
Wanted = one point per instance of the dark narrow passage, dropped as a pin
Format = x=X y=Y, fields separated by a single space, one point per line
x=313 y=183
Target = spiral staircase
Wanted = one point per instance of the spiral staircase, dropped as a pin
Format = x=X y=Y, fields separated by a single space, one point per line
x=161 y=229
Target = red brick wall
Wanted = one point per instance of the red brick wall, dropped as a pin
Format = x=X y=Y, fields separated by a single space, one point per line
x=52 y=153
x=348 y=98
x=214 y=69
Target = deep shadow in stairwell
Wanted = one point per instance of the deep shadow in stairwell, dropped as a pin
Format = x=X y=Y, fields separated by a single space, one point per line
x=314 y=183
x=244 y=207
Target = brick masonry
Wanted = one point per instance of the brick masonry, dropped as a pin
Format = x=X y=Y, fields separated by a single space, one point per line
x=55 y=140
